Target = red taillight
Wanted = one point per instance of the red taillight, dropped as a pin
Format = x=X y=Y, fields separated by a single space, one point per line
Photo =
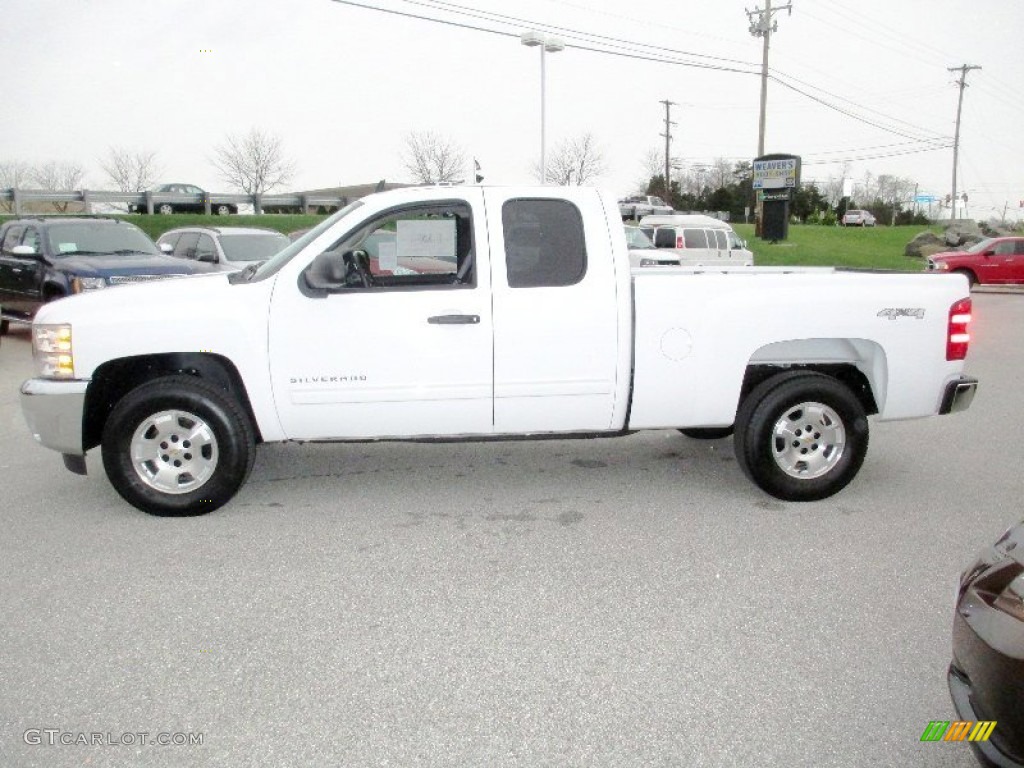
x=957 y=336
x=679 y=242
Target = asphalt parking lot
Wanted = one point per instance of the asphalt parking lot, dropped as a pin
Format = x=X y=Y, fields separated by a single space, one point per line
x=621 y=602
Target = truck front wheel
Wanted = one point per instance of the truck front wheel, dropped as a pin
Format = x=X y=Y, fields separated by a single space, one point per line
x=177 y=446
x=801 y=436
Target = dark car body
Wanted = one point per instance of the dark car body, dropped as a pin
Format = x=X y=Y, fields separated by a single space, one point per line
x=990 y=262
x=166 y=200
x=227 y=249
x=46 y=259
x=986 y=676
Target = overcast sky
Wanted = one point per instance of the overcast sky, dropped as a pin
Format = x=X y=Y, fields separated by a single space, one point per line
x=343 y=85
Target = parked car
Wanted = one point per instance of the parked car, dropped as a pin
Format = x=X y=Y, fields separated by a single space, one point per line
x=992 y=261
x=229 y=248
x=642 y=205
x=179 y=206
x=45 y=259
x=986 y=676
x=642 y=252
x=857 y=218
x=698 y=240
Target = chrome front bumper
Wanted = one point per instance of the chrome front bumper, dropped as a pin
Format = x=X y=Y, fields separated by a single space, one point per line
x=53 y=411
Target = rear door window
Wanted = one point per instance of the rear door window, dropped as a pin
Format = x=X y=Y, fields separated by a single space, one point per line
x=695 y=238
x=544 y=243
x=720 y=238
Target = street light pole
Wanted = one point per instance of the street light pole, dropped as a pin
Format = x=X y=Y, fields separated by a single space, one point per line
x=547 y=45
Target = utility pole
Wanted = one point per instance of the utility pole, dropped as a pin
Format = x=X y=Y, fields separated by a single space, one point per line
x=963 y=70
x=668 y=141
x=763 y=27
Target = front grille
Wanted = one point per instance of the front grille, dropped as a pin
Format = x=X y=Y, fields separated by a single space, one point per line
x=123 y=279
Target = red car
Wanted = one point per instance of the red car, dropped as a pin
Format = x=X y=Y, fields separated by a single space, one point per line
x=992 y=261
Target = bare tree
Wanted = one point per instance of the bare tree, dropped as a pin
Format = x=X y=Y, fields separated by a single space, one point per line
x=254 y=163
x=130 y=171
x=653 y=164
x=58 y=176
x=14 y=174
x=575 y=161
x=433 y=159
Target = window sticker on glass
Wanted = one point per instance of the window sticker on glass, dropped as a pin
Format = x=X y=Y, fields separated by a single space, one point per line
x=429 y=239
x=66 y=247
x=387 y=256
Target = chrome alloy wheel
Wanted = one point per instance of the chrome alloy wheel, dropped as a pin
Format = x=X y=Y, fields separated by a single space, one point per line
x=808 y=440
x=174 y=452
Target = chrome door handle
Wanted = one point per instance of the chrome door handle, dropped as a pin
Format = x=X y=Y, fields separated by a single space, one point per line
x=454 y=320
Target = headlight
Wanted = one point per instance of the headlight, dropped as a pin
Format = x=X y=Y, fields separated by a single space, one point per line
x=51 y=348
x=80 y=284
x=941 y=265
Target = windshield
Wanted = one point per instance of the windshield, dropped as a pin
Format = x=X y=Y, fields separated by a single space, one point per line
x=284 y=256
x=984 y=245
x=252 y=247
x=637 y=240
x=97 y=238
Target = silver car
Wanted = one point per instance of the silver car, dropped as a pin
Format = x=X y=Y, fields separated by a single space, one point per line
x=858 y=218
x=228 y=248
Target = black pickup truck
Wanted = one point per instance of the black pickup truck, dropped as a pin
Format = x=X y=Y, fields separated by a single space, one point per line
x=46 y=259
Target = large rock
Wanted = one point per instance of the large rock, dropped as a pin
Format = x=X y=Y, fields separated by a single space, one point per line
x=924 y=245
x=963 y=233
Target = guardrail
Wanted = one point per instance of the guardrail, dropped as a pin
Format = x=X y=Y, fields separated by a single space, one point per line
x=87 y=197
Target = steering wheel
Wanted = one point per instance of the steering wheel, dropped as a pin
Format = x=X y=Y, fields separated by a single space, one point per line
x=357 y=269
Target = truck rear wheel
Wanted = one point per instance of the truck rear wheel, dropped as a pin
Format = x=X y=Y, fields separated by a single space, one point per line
x=801 y=436
x=177 y=446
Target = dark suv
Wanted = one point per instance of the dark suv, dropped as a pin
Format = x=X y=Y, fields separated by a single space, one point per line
x=46 y=259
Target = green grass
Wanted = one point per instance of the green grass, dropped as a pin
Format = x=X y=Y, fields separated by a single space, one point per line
x=156 y=225
x=823 y=246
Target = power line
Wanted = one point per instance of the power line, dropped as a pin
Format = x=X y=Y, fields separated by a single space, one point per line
x=845 y=112
x=567 y=31
x=630 y=52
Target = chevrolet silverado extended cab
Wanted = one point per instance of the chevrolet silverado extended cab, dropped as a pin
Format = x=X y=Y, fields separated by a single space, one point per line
x=479 y=313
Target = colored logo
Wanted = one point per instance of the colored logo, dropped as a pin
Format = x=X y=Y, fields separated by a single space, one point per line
x=958 y=730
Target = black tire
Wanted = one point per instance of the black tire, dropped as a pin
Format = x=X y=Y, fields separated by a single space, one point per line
x=707 y=433
x=185 y=404
x=223 y=210
x=165 y=209
x=834 y=448
x=972 y=279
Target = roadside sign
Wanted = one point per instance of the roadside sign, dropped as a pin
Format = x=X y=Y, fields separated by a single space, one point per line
x=780 y=173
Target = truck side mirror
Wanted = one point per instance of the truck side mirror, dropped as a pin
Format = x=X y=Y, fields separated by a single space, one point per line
x=326 y=272
x=166 y=248
x=23 y=250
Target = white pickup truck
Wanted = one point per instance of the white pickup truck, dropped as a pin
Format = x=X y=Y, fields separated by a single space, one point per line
x=446 y=312
x=638 y=206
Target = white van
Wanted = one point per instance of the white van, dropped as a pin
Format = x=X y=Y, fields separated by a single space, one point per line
x=700 y=241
